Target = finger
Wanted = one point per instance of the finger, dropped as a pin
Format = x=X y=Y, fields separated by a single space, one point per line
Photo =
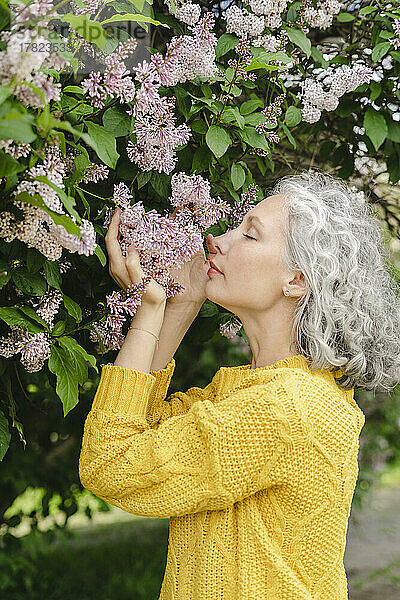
x=133 y=266
x=117 y=265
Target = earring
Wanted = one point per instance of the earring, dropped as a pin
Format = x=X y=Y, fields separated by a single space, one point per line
x=286 y=292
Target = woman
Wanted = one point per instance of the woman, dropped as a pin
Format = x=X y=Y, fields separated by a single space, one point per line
x=257 y=470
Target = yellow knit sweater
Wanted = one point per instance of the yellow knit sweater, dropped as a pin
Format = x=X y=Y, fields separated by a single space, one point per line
x=256 y=471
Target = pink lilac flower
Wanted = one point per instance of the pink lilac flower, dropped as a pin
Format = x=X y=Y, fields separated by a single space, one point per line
x=85 y=245
x=230 y=328
x=14 y=149
x=94 y=173
x=91 y=7
x=34 y=348
x=33 y=11
x=115 y=82
x=47 y=306
x=20 y=64
x=247 y=202
x=122 y=195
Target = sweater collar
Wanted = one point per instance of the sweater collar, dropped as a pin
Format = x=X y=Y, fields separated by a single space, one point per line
x=229 y=378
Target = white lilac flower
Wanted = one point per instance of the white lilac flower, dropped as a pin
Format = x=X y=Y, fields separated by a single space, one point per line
x=188 y=13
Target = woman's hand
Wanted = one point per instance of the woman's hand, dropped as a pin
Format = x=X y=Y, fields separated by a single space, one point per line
x=192 y=275
x=126 y=271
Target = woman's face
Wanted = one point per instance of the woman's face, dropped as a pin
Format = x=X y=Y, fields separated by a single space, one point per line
x=253 y=275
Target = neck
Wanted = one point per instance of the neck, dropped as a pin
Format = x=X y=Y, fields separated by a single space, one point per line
x=269 y=335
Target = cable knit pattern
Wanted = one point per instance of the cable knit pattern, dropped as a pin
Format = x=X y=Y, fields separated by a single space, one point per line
x=256 y=472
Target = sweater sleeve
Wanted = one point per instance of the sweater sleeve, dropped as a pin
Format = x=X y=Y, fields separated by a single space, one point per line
x=206 y=459
x=160 y=408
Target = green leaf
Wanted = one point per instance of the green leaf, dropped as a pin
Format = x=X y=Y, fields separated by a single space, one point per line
x=91 y=31
x=67 y=201
x=253 y=138
x=375 y=127
x=345 y=17
x=143 y=178
x=161 y=183
x=72 y=308
x=393 y=130
x=52 y=273
x=238 y=176
x=318 y=57
x=136 y=18
x=367 y=10
x=293 y=116
x=29 y=312
x=235 y=115
x=218 y=140
x=58 y=328
x=256 y=118
x=226 y=42
x=199 y=126
x=376 y=90
x=117 y=121
x=380 y=51
x=31 y=284
x=289 y=136
x=5 y=92
x=299 y=39
x=208 y=309
x=201 y=159
x=64 y=366
x=261 y=165
x=34 y=260
x=100 y=255
x=5 y=435
x=17 y=127
x=69 y=342
x=250 y=106
x=4 y=279
x=63 y=220
x=255 y=64
x=264 y=56
x=73 y=89
x=12 y=316
x=183 y=100
x=104 y=144
x=9 y=165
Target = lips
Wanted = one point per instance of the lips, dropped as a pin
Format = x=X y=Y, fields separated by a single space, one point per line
x=215 y=267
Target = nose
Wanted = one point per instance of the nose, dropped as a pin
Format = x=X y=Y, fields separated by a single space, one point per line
x=210 y=244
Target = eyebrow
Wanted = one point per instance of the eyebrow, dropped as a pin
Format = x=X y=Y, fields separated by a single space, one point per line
x=255 y=218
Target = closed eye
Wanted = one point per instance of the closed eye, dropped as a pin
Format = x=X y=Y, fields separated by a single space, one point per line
x=248 y=236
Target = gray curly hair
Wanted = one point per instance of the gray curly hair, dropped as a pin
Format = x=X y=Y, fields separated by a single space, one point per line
x=349 y=316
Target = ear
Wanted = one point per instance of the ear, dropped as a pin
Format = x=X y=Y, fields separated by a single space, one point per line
x=297 y=285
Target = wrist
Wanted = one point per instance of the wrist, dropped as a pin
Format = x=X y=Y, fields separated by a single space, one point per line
x=185 y=306
x=149 y=316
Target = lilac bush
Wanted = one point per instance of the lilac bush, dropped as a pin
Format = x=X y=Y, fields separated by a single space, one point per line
x=181 y=142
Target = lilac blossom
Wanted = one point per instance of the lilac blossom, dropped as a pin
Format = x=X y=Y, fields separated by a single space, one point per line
x=247 y=202
x=343 y=79
x=115 y=82
x=94 y=173
x=231 y=327
x=33 y=348
x=37 y=228
x=47 y=305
